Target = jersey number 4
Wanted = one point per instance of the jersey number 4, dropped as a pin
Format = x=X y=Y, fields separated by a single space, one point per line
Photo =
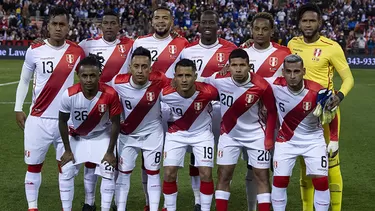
x=47 y=67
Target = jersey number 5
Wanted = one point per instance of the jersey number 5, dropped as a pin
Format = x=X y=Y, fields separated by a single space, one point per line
x=47 y=67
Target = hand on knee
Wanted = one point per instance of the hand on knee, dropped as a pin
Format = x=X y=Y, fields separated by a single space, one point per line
x=281 y=181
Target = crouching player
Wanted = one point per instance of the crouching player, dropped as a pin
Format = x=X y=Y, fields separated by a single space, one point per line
x=95 y=111
x=301 y=134
x=189 y=125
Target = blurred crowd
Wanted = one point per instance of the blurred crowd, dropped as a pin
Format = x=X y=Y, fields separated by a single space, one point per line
x=349 y=22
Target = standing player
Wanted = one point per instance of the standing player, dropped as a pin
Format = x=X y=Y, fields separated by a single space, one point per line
x=95 y=109
x=142 y=129
x=301 y=134
x=210 y=54
x=52 y=64
x=266 y=58
x=189 y=126
x=241 y=93
x=321 y=56
x=116 y=60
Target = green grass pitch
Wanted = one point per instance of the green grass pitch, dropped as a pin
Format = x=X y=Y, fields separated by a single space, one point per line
x=356 y=148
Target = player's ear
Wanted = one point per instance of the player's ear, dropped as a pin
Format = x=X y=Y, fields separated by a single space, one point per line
x=303 y=71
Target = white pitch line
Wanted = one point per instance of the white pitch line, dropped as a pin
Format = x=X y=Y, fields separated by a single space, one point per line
x=10 y=103
x=10 y=83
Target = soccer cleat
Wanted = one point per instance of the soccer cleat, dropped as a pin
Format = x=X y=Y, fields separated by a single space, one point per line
x=33 y=209
x=197 y=207
x=87 y=207
x=146 y=208
x=114 y=207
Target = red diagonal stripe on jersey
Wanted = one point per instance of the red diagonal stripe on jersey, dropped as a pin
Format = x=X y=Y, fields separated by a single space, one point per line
x=295 y=116
x=55 y=81
x=239 y=107
x=93 y=118
x=142 y=108
x=166 y=59
x=116 y=60
x=277 y=57
x=191 y=114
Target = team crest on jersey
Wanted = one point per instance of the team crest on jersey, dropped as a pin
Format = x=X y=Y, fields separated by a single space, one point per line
x=172 y=49
x=306 y=106
x=220 y=153
x=27 y=153
x=121 y=48
x=150 y=96
x=220 y=57
x=70 y=58
x=198 y=106
x=275 y=164
x=249 y=98
x=273 y=61
x=317 y=52
x=102 y=108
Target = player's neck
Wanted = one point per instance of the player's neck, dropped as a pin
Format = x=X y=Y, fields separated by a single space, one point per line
x=262 y=46
x=109 y=39
x=297 y=89
x=312 y=39
x=136 y=84
x=90 y=94
x=187 y=94
x=161 y=37
x=209 y=42
x=243 y=81
x=56 y=43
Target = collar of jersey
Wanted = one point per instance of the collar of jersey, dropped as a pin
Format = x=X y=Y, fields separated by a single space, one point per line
x=167 y=38
x=109 y=43
x=244 y=83
x=208 y=46
x=136 y=85
x=54 y=47
x=262 y=50
x=297 y=92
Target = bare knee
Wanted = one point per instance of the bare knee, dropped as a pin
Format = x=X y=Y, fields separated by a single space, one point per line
x=225 y=174
x=170 y=173
x=262 y=178
x=205 y=173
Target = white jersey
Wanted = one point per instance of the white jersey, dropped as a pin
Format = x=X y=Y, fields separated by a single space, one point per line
x=208 y=59
x=163 y=52
x=53 y=69
x=115 y=54
x=267 y=62
x=190 y=116
x=141 y=107
x=240 y=107
x=295 y=111
x=90 y=118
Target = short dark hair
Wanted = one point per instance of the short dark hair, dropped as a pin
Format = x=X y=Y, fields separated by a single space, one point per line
x=308 y=7
x=239 y=53
x=186 y=63
x=263 y=15
x=141 y=51
x=163 y=7
x=56 y=11
x=93 y=60
x=111 y=13
x=211 y=12
x=293 y=58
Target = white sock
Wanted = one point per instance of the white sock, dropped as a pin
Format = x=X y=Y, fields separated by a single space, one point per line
x=206 y=201
x=114 y=196
x=144 y=185
x=322 y=200
x=251 y=190
x=279 y=198
x=122 y=190
x=171 y=201
x=220 y=194
x=66 y=192
x=32 y=185
x=154 y=191
x=195 y=185
x=89 y=181
x=107 y=189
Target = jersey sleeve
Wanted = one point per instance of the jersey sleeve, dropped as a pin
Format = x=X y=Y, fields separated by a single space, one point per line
x=209 y=80
x=26 y=75
x=338 y=60
x=268 y=100
x=115 y=107
x=65 y=104
x=214 y=94
x=83 y=45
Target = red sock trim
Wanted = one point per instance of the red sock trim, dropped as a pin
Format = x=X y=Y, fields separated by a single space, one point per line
x=35 y=168
x=193 y=171
x=281 y=181
x=90 y=165
x=221 y=205
x=321 y=183
x=169 y=187
x=149 y=172
x=264 y=206
x=126 y=172
x=207 y=188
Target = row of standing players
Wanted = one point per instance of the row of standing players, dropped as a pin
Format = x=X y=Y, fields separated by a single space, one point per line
x=209 y=55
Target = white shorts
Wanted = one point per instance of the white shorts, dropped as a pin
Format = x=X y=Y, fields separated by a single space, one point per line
x=202 y=146
x=39 y=134
x=70 y=170
x=230 y=149
x=151 y=146
x=315 y=156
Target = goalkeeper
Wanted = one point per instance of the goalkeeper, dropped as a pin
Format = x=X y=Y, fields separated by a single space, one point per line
x=321 y=57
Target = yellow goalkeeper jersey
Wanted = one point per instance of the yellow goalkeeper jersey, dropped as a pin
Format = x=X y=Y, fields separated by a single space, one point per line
x=320 y=59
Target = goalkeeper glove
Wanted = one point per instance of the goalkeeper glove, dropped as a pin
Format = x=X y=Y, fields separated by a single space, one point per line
x=321 y=101
x=332 y=148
